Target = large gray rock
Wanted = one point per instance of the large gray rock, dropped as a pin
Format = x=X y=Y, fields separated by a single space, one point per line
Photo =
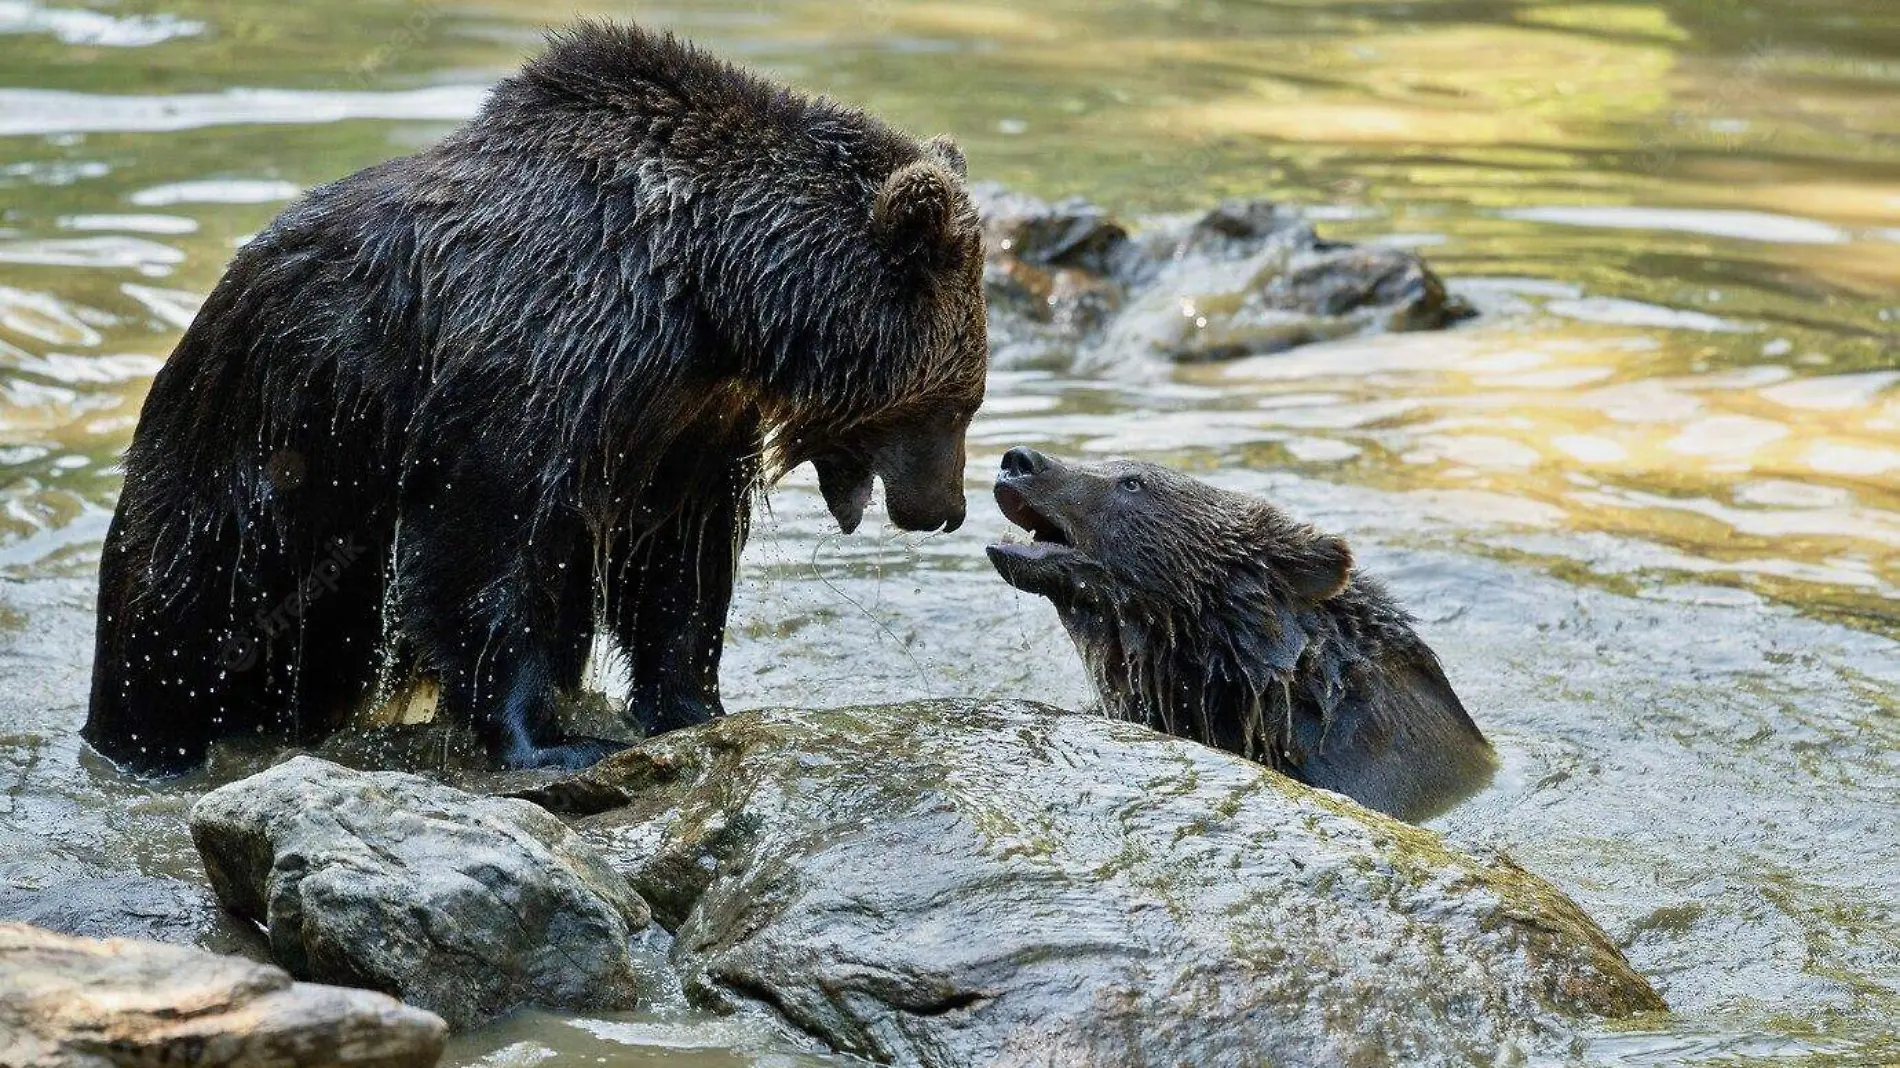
x=1243 y=279
x=83 y=1003
x=962 y=883
x=467 y=906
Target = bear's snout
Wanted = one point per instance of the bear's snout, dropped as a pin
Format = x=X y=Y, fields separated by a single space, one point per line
x=945 y=514
x=1023 y=461
x=923 y=479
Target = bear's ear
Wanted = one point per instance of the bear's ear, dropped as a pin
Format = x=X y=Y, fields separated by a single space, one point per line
x=915 y=212
x=948 y=154
x=1318 y=569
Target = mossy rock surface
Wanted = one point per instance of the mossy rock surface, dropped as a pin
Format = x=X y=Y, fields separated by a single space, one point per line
x=1002 y=883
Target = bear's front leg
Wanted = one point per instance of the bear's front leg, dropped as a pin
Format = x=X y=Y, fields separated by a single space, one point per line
x=489 y=609
x=515 y=700
x=673 y=590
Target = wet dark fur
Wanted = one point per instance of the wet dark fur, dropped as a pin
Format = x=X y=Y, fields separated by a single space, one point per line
x=450 y=413
x=1213 y=616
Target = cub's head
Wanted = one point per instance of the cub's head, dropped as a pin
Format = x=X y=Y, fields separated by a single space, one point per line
x=899 y=350
x=1136 y=538
x=1214 y=616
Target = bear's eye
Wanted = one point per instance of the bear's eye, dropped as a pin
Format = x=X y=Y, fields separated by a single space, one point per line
x=1131 y=484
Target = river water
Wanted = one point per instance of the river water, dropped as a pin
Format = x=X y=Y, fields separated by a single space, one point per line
x=1647 y=505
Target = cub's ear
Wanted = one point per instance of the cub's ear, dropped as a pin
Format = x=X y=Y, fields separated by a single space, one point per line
x=947 y=153
x=1318 y=570
x=916 y=212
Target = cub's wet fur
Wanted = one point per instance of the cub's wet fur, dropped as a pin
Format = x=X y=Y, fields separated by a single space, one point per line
x=1214 y=616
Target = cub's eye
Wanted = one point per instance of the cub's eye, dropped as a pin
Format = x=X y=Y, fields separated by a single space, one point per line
x=1132 y=484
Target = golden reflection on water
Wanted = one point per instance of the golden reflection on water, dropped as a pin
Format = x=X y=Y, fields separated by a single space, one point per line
x=1685 y=230
x=1757 y=475
x=1721 y=224
x=1683 y=220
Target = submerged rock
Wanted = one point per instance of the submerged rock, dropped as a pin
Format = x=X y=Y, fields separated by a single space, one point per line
x=82 y=899
x=1244 y=279
x=962 y=883
x=83 y=1002
x=467 y=906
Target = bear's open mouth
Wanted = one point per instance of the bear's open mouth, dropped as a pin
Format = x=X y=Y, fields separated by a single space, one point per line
x=1049 y=564
x=1046 y=534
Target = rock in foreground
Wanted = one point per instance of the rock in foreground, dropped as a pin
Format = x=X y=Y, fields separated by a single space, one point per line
x=1245 y=279
x=965 y=883
x=82 y=1002
x=467 y=906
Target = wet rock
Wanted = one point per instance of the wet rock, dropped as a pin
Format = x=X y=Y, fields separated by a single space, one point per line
x=82 y=1002
x=121 y=905
x=1050 y=270
x=962 y=883
x=1246 y=278
x=467 y=906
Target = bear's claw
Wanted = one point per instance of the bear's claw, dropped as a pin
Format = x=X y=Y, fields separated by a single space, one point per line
x=574 y=754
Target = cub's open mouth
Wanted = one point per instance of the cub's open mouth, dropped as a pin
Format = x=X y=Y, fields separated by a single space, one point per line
x=1049 y=564
x=1047 y=535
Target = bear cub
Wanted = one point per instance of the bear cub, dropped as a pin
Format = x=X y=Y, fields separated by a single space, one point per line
x=1213 y=616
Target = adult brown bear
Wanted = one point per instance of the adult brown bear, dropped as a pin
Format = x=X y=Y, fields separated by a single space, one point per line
x=1214 y=616
x=455 y=410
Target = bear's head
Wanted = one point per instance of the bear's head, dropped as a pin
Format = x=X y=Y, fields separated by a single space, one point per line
x=1213 y=615
x=879 y=350
x=824 y=270
x=1136 y=539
